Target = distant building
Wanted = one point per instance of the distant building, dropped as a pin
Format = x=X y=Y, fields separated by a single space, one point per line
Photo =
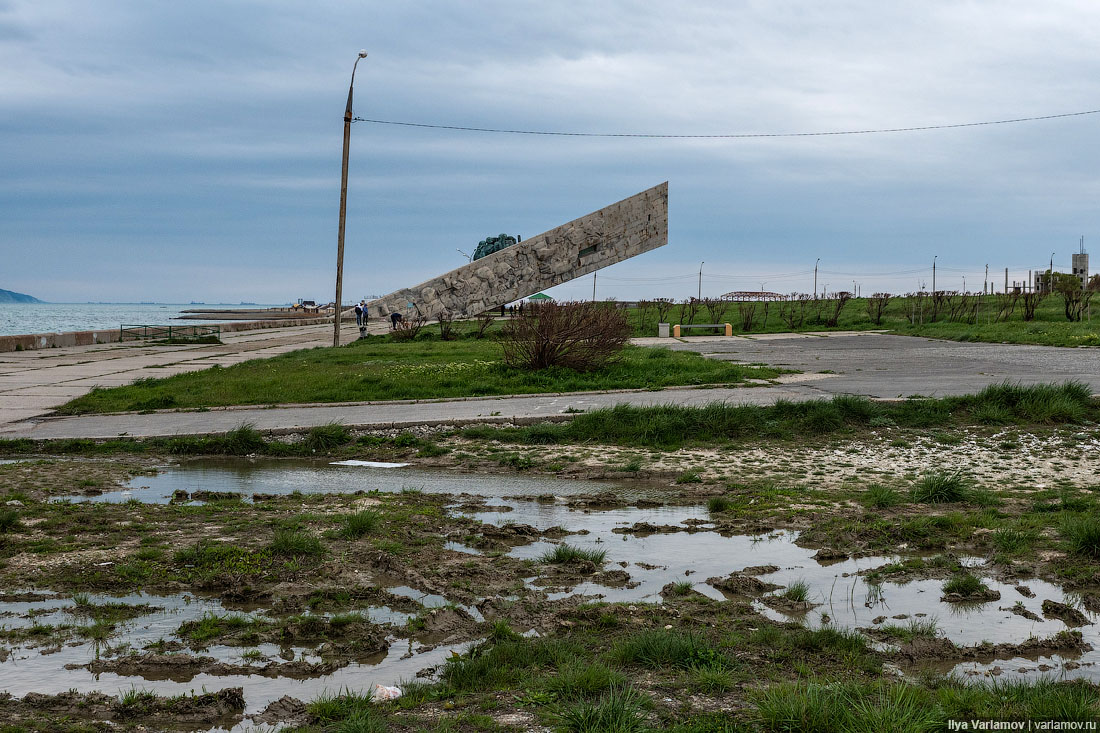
x=1081 y=265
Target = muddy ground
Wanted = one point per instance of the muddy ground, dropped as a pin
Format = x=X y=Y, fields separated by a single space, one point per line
x=299 y=588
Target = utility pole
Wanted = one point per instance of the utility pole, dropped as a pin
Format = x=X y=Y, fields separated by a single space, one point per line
x=1006 y=281
x=934 y=275
x=593 y=286
x=700 y=295
x=1050 y=279
x=985 y=285
x=815 y=276
x=343 y=209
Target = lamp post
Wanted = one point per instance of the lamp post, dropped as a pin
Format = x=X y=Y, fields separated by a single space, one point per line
x=1050 y=275
x=700 y=295
x=815 y=276
x=934 y=275
x=469 y=258
x=343 y=208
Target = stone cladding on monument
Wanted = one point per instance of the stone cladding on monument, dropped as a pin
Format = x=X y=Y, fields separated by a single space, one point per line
x=614 y=233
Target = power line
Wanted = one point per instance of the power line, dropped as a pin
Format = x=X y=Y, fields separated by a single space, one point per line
x=728 y=136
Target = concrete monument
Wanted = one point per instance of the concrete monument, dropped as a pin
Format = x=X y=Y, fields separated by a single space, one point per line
x=612 y=234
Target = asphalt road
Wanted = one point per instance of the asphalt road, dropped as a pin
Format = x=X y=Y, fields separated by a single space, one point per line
x=885 y=366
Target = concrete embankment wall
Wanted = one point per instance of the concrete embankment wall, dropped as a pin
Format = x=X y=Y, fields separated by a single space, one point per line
x=33 y=341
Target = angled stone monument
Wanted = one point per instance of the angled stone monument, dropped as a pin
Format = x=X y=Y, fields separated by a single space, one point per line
x=612 y=234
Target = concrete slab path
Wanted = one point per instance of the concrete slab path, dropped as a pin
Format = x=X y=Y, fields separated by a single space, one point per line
x=871 y=364
x=34 y=383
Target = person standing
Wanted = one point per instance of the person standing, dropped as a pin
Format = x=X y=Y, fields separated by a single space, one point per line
x=359 y=314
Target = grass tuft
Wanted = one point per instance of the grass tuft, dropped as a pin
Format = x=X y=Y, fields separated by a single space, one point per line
x=1082 y=533
x=295 y=543
x=361 y=523
x=881 y=497
x=964 y=584
x=941 y=487
x=621 y=710
x=324 y=438
x=9 y=520
x=798 y=591
x=565 y=554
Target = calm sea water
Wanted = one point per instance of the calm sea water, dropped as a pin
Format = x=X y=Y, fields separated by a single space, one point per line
x=20 y=318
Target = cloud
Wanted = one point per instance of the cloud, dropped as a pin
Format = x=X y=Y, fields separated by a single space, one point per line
x=207 y=136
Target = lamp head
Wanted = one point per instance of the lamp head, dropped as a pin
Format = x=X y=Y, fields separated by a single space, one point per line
x=362 y=53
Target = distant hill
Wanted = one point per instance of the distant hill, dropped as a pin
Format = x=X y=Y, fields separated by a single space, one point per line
x=7 y=296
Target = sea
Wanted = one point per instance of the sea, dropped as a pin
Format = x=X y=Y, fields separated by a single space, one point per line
x=22 y=318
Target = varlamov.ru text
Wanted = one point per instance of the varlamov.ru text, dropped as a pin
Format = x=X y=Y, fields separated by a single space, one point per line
x=1021 y=725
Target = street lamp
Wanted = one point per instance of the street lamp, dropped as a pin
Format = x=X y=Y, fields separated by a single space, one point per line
x=815 y=276
x=469 y=258
x=934 y=275
x=343 y=207
x=1050 y=276
x=700 y=295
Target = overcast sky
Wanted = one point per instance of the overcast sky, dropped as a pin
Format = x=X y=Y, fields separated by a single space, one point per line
x=178 y=151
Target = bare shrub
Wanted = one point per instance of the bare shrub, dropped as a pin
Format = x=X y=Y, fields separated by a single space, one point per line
x=876 y=306
x=663 y=306
x=408 y=328
x=1004 y=305
x=578 y=335
x=837 y=302
x=690 y=307
x=746 y=309
x=1031 y=301
x=792 y=309
x=717 y=308
x=484 y=320
x=446 y=321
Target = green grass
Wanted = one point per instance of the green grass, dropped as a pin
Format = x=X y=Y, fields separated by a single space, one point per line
x=361 y=523
x=564 y=554
x=620 y=710
x=9 y=520
x=964 y=584
x=719 y=504
x=941 y=487
x=1082 y=534
x=1011 y=540
x=296 y=543
x=379 y=369
x=579 y=680
x=820 y=707
x=681 y=588
x=1050 y=326
x=798 y=591
x=667 y=648
x=916 y=628
x=672 y=426
x=881 y=497
x=325 y=438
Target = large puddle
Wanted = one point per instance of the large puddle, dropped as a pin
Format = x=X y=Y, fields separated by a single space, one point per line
x=280 y=478
x=654 y=546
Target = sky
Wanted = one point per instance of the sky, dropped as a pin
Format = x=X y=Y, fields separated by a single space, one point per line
x=170 y=152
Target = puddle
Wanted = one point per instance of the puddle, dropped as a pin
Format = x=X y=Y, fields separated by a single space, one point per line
x=655 y=546
x=843 y=597
x=281 y=478
x=30 y=668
